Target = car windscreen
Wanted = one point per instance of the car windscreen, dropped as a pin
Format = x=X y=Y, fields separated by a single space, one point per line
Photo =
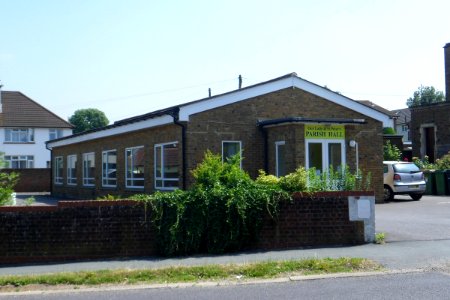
x=406 y=168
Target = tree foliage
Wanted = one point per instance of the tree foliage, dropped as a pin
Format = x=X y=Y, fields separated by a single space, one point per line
x=425 y=95
x=87 y=119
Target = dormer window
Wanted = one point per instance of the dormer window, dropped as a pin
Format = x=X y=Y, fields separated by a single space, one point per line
x=19 y=135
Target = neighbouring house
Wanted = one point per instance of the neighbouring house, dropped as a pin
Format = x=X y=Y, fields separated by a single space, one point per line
x=25 y=126
x=277 y=125
x=430 y=124
x=402 y=127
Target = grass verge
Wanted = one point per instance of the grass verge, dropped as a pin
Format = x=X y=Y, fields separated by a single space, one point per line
x=261 y=270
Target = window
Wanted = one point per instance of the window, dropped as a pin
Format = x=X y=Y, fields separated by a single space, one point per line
x=167 y=166
x=280 y=159
x=58 y=175
x=323 y=154
x=134 y=174
x=19 y=135
x=89 y=169
x=19 y=161
x=72 y=169
x=54 y=134
x=231 y=148
x=109 y=171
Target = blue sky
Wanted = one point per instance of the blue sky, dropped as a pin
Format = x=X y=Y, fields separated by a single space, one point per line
x=131 y=57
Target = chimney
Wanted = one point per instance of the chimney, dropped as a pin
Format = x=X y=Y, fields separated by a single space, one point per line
x=447 y=71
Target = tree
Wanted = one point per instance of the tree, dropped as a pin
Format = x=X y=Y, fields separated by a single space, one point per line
x=425 y=95
x=87 y=119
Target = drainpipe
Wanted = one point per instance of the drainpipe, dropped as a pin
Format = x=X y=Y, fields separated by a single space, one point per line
x=176 y=120
x=51 y=168
x=266 y=149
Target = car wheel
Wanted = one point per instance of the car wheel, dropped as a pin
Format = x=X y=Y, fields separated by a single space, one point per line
x=388 y=194
x=415 y=196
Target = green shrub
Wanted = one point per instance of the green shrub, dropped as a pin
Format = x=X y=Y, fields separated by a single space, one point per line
x=7 y=183
x=267 y=179
x=391 y=152
x=443 y=163
x=295 y=182
x=388 y=130
x=424 y=163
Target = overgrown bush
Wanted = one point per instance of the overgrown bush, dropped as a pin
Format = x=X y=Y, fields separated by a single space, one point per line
x=296 y=181
x=338 y=180
x=222 y=212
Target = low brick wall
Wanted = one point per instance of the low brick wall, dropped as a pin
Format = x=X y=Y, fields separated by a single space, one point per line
x=106 y=229
x=312 y=220
x=75 y=230
x=32 y=180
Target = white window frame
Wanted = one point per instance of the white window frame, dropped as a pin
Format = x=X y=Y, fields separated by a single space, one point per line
x=12 y=133
x=71 y=180
x=28 y=159
x=54 y=133
x=88 y=181
x=106 y=170
x=132 y=179
x=277 y=145
x=59 y=167
x=162 y=178
x=325 y=154
x=240 y=150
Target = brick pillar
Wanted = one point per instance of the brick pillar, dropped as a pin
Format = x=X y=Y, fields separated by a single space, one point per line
x=447 y=71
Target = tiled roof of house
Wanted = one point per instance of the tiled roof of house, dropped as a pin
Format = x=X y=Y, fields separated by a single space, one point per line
x=403 y=115
x=376 y=107
x=20 y=111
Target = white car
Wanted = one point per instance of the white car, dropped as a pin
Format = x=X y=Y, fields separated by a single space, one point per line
x=403 y=178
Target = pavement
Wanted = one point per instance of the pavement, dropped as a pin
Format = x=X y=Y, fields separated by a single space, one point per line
x=401 y=252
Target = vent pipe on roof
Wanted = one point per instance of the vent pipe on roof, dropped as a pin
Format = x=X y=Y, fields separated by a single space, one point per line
x=240 y=81
x=209 y=92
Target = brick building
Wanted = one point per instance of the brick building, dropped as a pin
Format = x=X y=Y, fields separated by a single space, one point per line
x=276 y=125
x=430 y=124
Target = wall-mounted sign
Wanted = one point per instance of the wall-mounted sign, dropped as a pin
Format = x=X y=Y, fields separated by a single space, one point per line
x=324 y=132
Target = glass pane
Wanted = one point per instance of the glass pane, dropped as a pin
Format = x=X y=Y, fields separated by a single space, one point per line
x=171 y=162
x=315 y=156
x=171 y=184
x=230 y=149
x=158 y=162
x=335 y=156
x=281 y=164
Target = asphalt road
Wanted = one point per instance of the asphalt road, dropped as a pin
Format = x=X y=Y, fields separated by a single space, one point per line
x=406 y=220
x=432 y=285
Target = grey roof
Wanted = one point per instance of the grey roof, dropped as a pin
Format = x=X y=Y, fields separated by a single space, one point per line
x=20 y=111
x=376 y=107
x=403 y=115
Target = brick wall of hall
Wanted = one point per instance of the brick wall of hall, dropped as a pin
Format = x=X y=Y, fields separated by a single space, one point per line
x=116 y=229
x=237 y=122
x=147 y=138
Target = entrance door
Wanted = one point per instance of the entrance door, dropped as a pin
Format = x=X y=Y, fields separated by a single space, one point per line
x=429 y=143
x=321 y=154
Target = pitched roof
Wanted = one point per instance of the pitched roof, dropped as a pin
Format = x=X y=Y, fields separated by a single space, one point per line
x=403 y=115
x=20 y=111
x=184 y=111
x=377 y=107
